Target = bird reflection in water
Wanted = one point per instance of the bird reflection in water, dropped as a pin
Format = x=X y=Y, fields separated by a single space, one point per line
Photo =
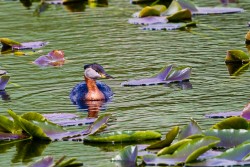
x=4 y=95
x=93 y=107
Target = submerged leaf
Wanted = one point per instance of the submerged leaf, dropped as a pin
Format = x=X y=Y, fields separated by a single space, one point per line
x=232 y=123
x=124 y=136
x=170 y=136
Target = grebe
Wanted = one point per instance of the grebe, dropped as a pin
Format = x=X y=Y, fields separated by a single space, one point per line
x=90 y=89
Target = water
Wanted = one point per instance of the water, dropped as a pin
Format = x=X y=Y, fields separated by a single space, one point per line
x=102 y=35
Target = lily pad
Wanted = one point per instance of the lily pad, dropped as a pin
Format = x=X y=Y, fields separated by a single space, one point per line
x=6 y=125
x=180 y=16
x=4 y=79
x=234 y=56
x=236 y=69
x=223 y=114
x=169 y=26
x=162 y=78
x=170 y=136
x=187 y=152
x=246 y=112
x=53 y=58
x=149 y=11
x=191 y=129
x=232 y=123
x=147 y=20
x=229 y=137
x=127 y=155
x=216 y=10
x=124 y=136
x=10 y=45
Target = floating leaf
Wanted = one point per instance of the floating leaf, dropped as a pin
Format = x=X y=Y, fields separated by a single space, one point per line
x=4 y=78
x=246 y=112
x=170 y=136
x=187 y=152
x=124 y=136
x=6 y=125
x=148 y=20
x=238 y=153
x=191 y=129
x=185 y=4
x=223 y=114
x=29 y=45
x=162 y=78
x=232 y=123
x=149 y=11
x=182 y=15
x=216 y=10
x=169 y=26
x=236 y=56
x=127 y=155
x=45 y=161
x=171 y=149
x=173 y=8
x=53 y=58
x=229 y=137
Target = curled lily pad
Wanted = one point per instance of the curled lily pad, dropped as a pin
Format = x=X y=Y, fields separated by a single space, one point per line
x=182 y=15
x=191 y=129
x=232 y=123
x=6 y=125
x=149 y=11
x=10 y=45
x=234 y=56
x=4 y=79
x=124 y=136
x=246 y=112
x=127 y=155
x=169 y=26
x=170 y=136
x=53 y=58
x=162 y=78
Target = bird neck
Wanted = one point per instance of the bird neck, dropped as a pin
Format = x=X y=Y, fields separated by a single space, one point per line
x=93 y=92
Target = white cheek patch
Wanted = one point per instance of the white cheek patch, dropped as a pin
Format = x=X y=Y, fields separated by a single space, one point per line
x=90 y=73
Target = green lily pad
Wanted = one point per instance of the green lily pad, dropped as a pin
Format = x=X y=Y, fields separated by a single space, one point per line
x=6 y=125
x=182 y=15
x=232 y=123
x=170 y=136
x=124 y=136
x=149 y=11
x=187 y=152
x=236 y=69
x=171 y=149
x=234 y=56
x=173 y=8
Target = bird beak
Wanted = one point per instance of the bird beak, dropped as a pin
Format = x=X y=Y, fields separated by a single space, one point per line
x=106 y=76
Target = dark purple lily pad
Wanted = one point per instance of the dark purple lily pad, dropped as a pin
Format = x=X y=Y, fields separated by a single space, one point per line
x=53 y=58
x=216 y=10
x=191 y=129
x=148 y=20
x=4 y=79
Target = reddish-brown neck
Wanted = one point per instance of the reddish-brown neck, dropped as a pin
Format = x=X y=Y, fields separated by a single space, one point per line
x=93 y=92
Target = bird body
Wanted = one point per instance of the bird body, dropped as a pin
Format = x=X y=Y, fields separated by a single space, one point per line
x=90 y=89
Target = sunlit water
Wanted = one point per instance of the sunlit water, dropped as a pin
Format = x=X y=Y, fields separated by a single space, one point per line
x=102 y=35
